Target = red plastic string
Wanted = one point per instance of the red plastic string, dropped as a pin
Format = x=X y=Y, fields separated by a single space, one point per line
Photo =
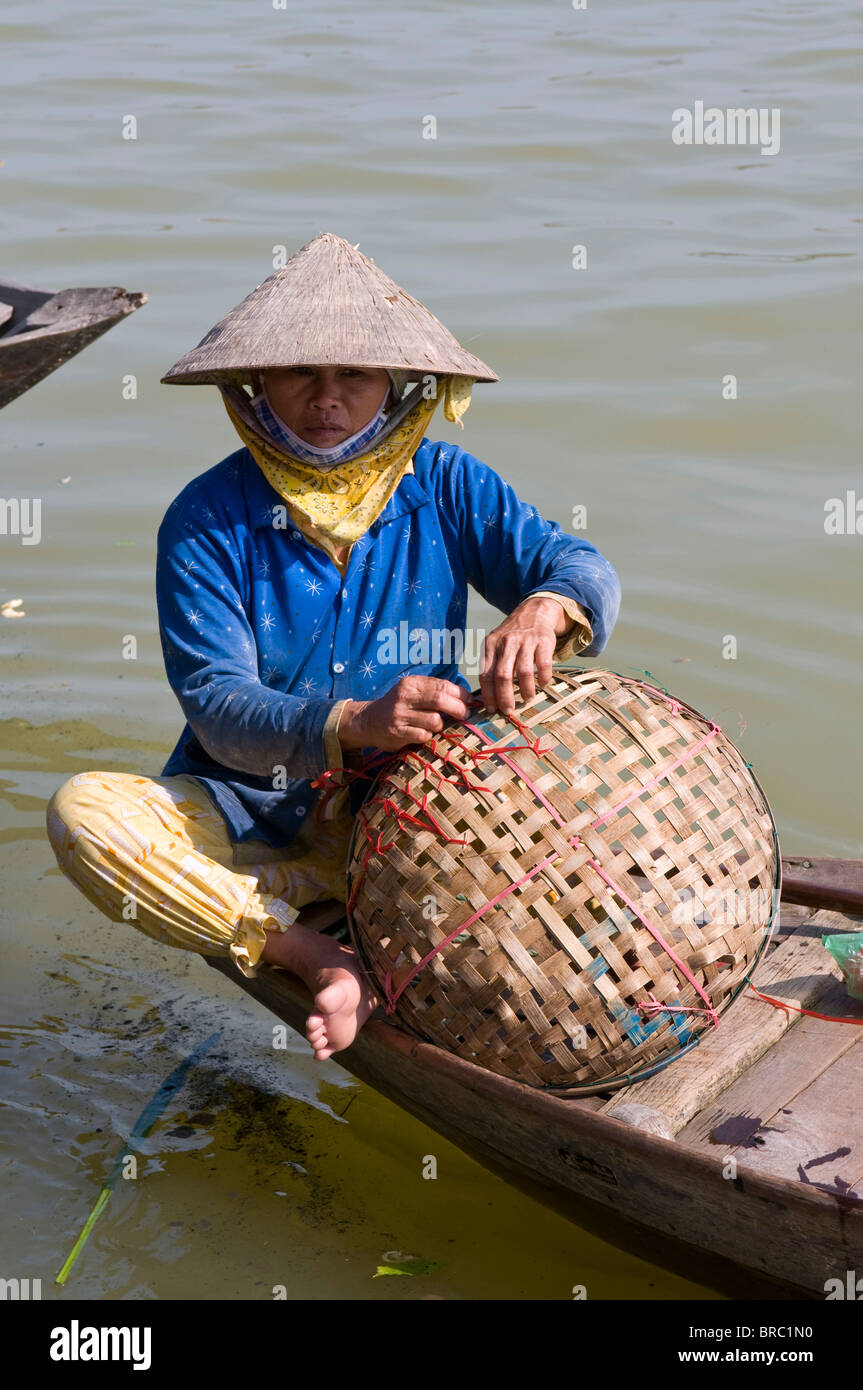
x=393 y=998
x=377 y=846
x=781 y=1004
x=389 y=805
x=534 y=747
x=711 y=1013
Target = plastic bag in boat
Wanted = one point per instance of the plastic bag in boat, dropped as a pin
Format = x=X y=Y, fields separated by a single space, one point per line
x=846 y=948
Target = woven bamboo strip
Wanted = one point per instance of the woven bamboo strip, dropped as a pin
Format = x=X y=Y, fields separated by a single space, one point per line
x=626 y=797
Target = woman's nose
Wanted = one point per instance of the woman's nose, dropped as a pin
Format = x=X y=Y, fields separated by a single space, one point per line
x=325 y=394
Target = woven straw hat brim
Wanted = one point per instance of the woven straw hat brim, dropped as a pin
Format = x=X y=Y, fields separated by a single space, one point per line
x=329 y=305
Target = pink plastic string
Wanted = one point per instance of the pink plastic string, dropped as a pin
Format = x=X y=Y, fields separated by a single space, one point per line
x=376 y=844
x=534 y=746
x=655 y=1005
x=393 y=998
x=710 y=1011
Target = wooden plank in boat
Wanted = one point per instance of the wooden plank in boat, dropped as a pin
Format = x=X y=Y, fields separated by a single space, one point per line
x=798 y=972
x=792 y=916
x=818 y=1137
x=773 y=1082
x=582 y=1161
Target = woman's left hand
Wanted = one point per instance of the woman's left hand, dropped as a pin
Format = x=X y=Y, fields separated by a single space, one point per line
x=524 y=641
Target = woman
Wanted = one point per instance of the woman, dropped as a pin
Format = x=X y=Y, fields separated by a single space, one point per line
x=303 y=585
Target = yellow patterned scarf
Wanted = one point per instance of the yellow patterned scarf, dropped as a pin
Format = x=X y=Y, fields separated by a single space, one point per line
x=340 y=505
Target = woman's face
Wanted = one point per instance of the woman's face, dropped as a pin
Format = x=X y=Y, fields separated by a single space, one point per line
x=325 y=405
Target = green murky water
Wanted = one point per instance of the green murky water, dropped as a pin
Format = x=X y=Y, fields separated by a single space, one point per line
x=553 y=130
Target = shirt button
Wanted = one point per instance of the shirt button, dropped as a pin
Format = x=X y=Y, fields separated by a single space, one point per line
x=295 y=535
x=338 y=667
x=301 y=810
x=344 y=593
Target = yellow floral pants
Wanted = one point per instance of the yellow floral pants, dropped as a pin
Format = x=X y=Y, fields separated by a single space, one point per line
x=154 y=851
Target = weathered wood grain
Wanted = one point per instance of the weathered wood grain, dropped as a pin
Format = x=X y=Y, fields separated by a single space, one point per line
x=818 y=1137
x=640 y=1191
x=773 y=1082
x=760 y=1234
x=798 y=972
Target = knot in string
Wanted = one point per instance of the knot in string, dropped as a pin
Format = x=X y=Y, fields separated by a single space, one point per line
x=442 y=747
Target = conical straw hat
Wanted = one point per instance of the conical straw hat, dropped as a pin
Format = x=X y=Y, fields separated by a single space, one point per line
x=329 y=305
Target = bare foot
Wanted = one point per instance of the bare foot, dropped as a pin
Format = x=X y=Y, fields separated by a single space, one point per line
x=344 y=996
x=343 y=1001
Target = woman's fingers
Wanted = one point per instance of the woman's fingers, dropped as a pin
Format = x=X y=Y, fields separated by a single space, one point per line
x=417 y=708
x=523 y=656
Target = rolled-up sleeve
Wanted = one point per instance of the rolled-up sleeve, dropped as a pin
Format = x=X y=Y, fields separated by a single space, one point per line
x=511 y=552
x=211 y=660
x=332 y=746
x=579 y=634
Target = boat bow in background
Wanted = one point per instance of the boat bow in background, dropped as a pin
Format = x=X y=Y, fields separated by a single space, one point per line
x=42 y=329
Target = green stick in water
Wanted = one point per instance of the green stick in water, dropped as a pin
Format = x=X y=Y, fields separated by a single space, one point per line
x=144 y=1123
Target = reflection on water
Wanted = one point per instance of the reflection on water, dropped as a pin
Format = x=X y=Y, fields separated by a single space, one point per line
x=553 y=132
x=266 y=1169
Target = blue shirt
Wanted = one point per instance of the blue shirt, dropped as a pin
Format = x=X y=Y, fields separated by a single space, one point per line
x=262 y=635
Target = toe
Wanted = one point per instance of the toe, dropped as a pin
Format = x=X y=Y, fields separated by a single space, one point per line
x=331 y=998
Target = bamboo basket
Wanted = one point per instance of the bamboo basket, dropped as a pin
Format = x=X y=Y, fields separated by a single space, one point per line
x=570 y=897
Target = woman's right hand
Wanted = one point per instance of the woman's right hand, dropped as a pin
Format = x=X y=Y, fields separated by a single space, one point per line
x=413 y=711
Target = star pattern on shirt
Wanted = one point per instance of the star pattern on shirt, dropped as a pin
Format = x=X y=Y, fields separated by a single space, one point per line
x=237 y=578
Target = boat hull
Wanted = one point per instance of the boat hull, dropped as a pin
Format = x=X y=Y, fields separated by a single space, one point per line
x=753 y=1235
x=47 y=327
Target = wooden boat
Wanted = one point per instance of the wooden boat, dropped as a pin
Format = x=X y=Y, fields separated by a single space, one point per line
x=42 y=329
x=737 y=1165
